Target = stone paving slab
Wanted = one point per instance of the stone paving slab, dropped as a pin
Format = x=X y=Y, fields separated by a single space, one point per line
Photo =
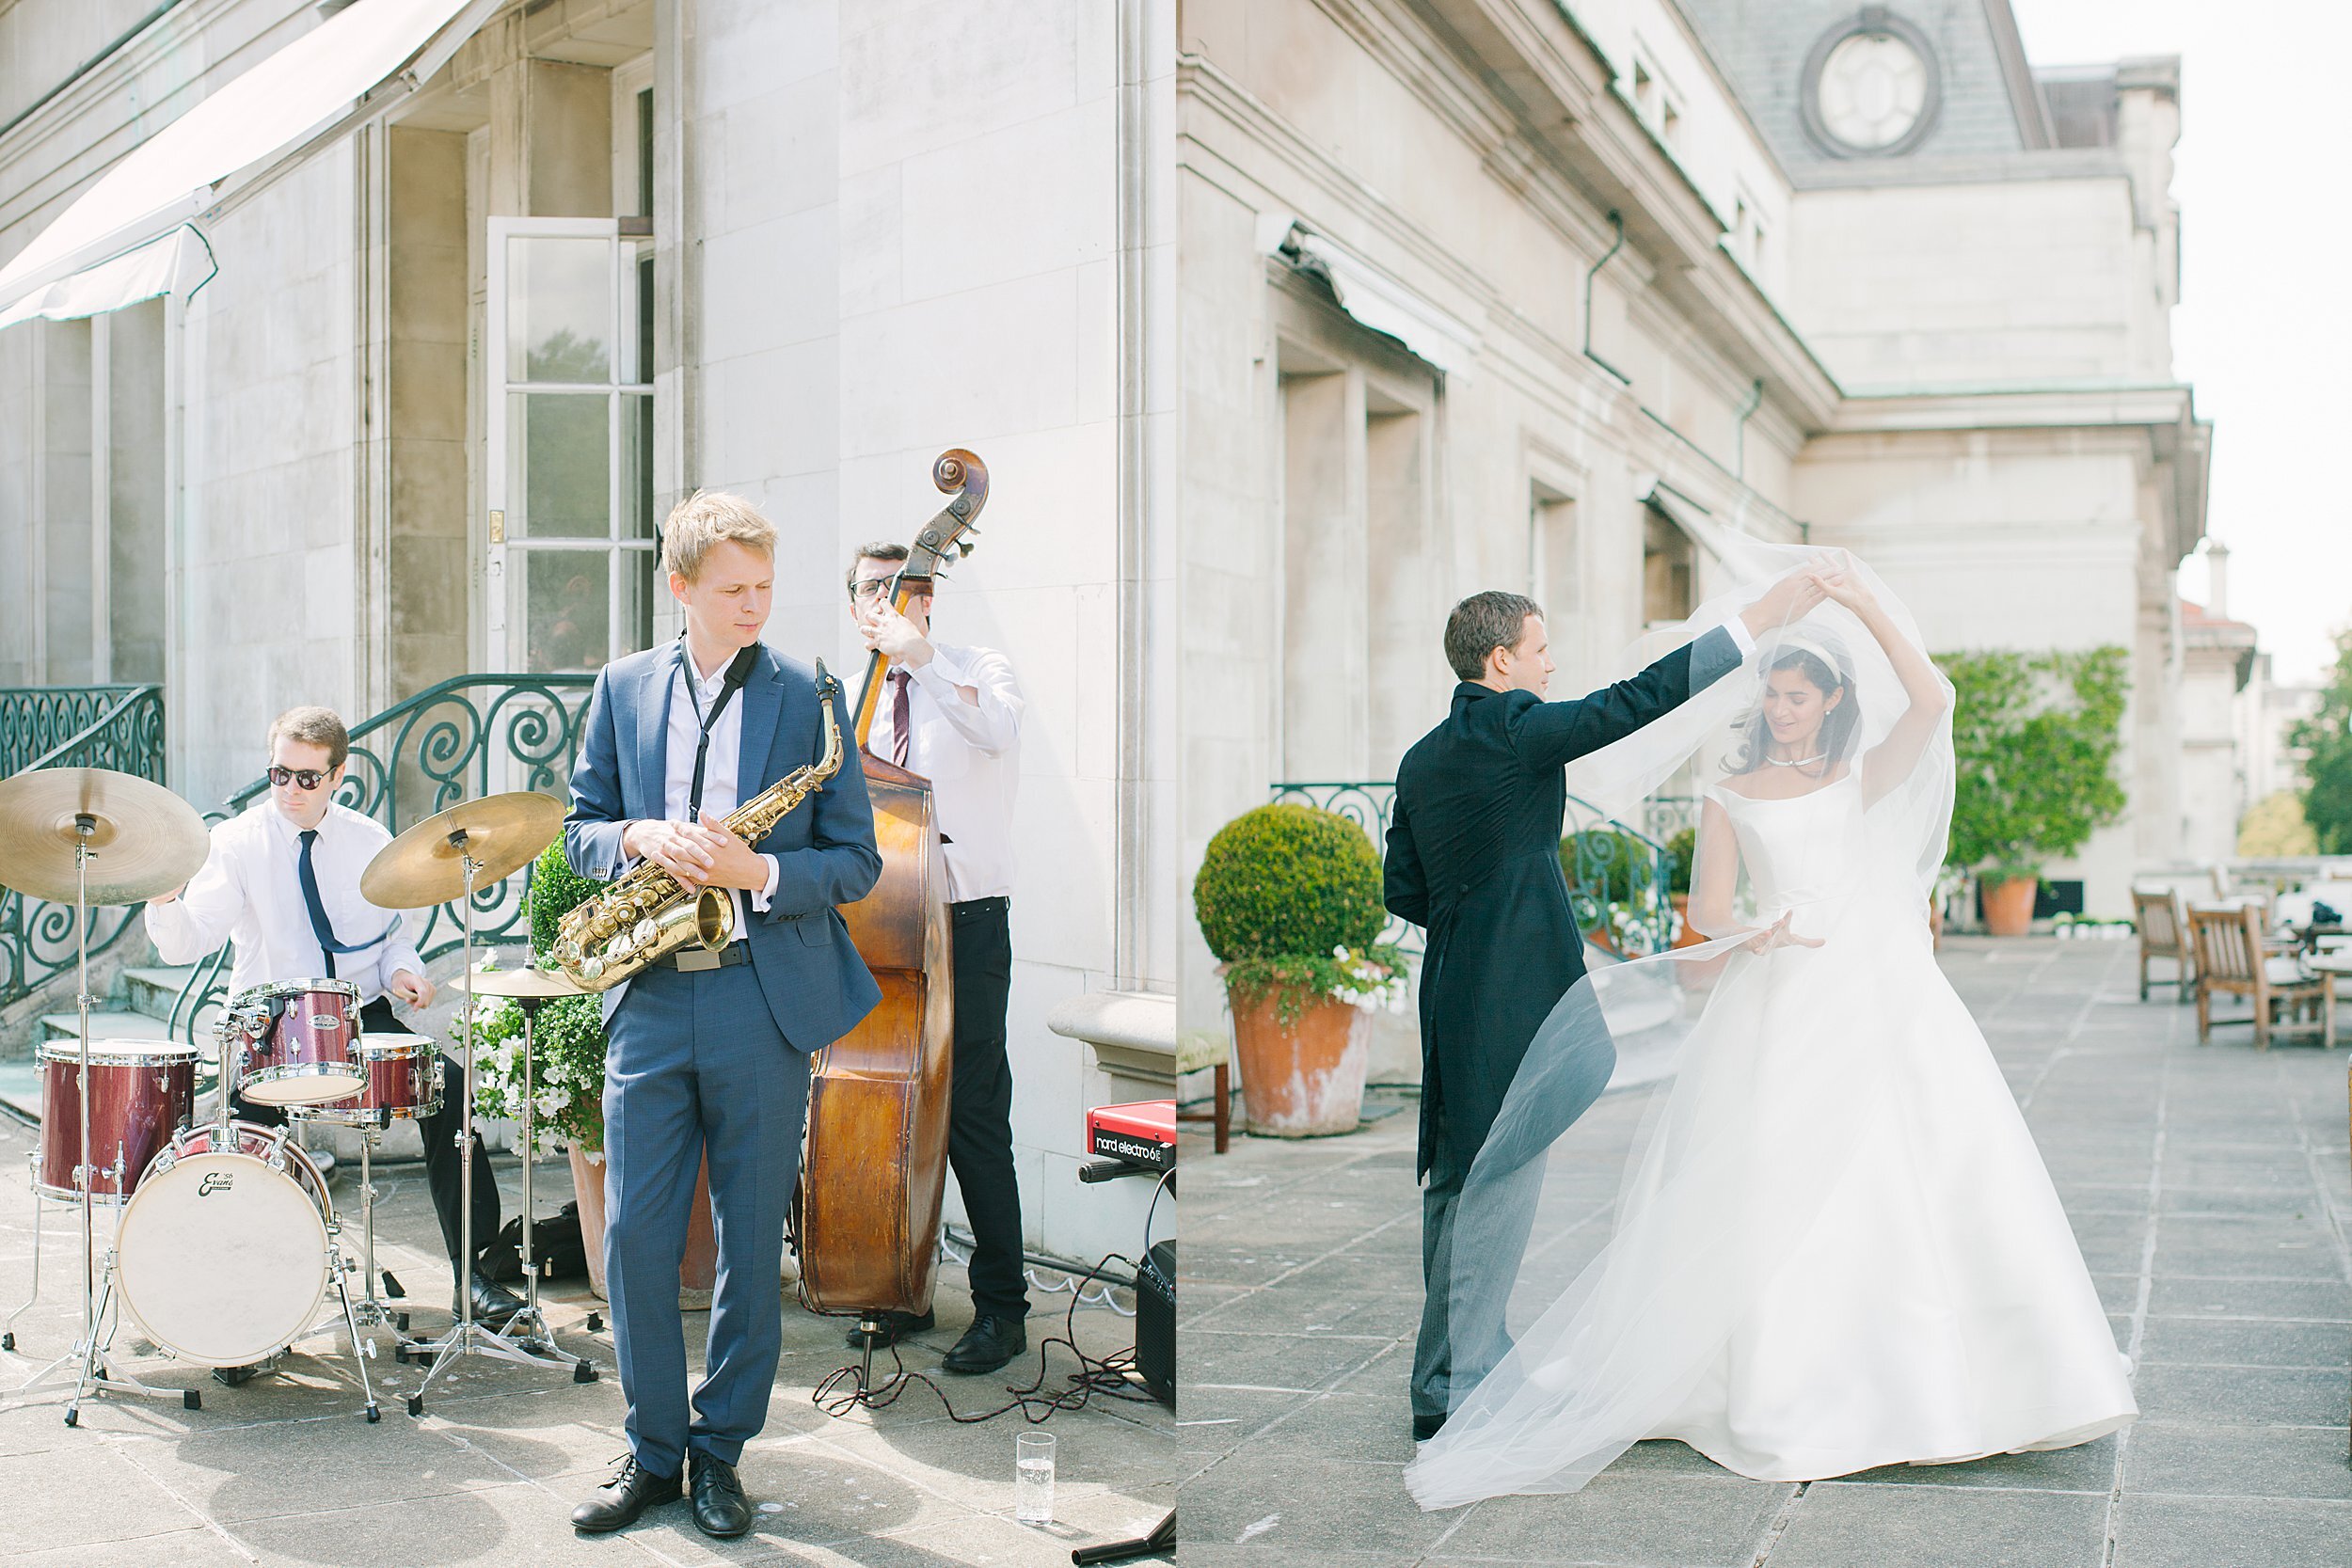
x=284 y=1472
x=2209 y=1186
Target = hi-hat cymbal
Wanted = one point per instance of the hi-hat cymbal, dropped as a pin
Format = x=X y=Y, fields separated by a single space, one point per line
x=424 y=866
x=144 y=839
x=516 y=982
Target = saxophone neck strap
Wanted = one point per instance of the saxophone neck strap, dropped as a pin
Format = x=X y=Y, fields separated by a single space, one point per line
x=739 y=672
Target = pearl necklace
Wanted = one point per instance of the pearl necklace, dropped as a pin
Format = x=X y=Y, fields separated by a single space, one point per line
x=1797 y=762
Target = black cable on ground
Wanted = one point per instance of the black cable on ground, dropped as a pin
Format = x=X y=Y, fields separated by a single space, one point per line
x=844 y=1389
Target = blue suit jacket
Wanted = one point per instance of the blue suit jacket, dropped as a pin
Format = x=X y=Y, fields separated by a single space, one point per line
x=815 y=984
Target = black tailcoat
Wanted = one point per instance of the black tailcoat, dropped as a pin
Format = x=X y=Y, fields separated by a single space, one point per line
x=1474 y=857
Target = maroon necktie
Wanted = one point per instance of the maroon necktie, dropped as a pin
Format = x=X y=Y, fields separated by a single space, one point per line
x=900 y=724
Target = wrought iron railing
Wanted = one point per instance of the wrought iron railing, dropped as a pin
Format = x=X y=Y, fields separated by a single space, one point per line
x=465 y=738
x=119 y=727
x=1618 y=876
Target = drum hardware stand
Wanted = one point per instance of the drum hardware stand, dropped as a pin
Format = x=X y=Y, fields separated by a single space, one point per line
x=8 y=1331
x=535 y=1347
x=369 y=1307
x=93 y=1370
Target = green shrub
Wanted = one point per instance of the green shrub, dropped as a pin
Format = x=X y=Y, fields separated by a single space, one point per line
x=1607 y=862
x=567 y=1038
x=555 y=889
x=2035 y=738
x=1682 y=849
x=1288 y=881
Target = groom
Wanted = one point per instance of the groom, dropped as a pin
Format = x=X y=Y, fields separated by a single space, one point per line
x=1473 y=858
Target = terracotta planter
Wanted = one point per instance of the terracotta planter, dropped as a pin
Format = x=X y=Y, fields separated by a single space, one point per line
x=696 y=1276
x=1306 y=1080
x=2009 y=905
x=1684 y=936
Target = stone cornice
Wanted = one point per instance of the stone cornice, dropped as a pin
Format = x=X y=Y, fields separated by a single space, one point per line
x=2167 y=406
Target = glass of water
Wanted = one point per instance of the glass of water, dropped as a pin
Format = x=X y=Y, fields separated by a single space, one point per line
x=1033 y=1479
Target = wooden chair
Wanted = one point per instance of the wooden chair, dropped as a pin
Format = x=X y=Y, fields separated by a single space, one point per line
x=2163 y=934
x=1200 y=1050
x=2232 y=958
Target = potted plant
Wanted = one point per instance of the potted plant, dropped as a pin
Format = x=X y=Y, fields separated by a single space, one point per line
x=568 y=1080
x=1610 y=887
x=1681 y=850
x=1289 y=901
x=2035 y=737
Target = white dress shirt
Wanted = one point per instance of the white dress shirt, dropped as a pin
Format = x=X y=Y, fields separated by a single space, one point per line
x=972 y=755
x=250 y=892
x=719 y=764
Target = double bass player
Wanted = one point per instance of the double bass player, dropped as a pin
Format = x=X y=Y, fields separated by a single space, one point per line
x=952 y=714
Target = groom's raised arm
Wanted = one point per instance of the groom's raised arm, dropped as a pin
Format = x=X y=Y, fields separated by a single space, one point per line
x=1550 y=734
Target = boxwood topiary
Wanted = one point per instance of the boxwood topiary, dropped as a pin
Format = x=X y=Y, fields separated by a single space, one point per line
x=1288 y=881
x=1282 y=891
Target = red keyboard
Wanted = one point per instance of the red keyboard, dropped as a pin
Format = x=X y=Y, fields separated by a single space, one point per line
x=1142 y=1133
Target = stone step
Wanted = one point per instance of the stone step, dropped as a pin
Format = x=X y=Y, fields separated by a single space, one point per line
x=116 y=1024
x=153 y=990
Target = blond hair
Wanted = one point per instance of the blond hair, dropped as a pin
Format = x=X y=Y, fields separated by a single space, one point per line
x=313 y=726
x=703 y=518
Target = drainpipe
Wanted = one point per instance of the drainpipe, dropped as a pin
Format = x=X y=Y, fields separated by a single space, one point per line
x=1740 y=430
x=1616 y=221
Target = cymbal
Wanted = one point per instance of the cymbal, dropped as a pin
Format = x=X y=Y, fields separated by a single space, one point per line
x=516 y=982
x=144 y=840
x=424 y=866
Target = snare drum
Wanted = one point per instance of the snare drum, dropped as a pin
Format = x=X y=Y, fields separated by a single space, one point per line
x=403 y=1081
x=140 y=1092
x=298 y=1042
x=221 y=1257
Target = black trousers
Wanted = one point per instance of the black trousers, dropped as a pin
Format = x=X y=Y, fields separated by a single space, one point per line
x=443 y=1177
x=979 y=1119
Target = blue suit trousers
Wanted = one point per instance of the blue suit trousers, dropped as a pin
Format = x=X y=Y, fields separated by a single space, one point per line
x=694 y=1064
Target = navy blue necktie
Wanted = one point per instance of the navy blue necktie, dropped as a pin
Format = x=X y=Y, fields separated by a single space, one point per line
x=320 y=926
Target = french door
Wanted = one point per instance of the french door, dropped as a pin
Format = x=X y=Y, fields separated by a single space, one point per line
x=569 y=469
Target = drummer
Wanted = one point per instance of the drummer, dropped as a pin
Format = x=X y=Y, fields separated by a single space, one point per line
x=282 y=882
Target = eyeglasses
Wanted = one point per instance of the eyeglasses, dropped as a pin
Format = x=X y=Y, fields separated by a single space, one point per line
x=871 y=588
x=308 y=778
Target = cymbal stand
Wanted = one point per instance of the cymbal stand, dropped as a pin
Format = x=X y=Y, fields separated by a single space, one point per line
x=535 y=1348
x=90 y=1365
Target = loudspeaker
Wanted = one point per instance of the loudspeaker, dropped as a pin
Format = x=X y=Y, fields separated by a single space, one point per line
x=1155 y=1322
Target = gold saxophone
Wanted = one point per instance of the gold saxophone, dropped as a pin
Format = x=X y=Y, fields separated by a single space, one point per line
x=647 y=914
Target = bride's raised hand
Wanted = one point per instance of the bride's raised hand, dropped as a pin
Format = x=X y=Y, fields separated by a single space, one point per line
x=1840 y=584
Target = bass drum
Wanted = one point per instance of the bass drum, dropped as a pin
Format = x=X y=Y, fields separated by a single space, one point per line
x=221 y=1257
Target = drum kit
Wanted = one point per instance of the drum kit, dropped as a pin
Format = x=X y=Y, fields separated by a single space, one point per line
x=227 y=1244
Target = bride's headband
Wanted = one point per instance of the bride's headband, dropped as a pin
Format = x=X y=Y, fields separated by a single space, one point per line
x=1789 y=641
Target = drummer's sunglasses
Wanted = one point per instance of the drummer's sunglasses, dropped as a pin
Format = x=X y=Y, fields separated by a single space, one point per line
x=308 y=778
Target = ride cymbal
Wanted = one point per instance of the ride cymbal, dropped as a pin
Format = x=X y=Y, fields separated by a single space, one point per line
x=515 y=982
x=144 y=840
x=425 y=865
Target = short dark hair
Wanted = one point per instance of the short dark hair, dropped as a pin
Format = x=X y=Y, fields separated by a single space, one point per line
x=880 y=549
x=1482 y=623
x=313 y=726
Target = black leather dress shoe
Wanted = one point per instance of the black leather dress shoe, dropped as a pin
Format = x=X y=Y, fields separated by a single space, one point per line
x=719 y=1506
x=988 y=1344
x=894 y=1327
x=632 y=1490
x=1426 y=1427
x=493 y=1303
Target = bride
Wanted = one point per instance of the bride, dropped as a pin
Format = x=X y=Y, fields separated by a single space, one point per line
x=1835 y=1247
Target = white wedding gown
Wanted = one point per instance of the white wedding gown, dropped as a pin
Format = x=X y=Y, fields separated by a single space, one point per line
x=1839 y=1248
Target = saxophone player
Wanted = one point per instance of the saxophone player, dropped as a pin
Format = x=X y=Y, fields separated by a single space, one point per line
x=708 y=1053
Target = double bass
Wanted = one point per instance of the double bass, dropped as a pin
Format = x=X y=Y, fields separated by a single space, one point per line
x=874 y=1167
